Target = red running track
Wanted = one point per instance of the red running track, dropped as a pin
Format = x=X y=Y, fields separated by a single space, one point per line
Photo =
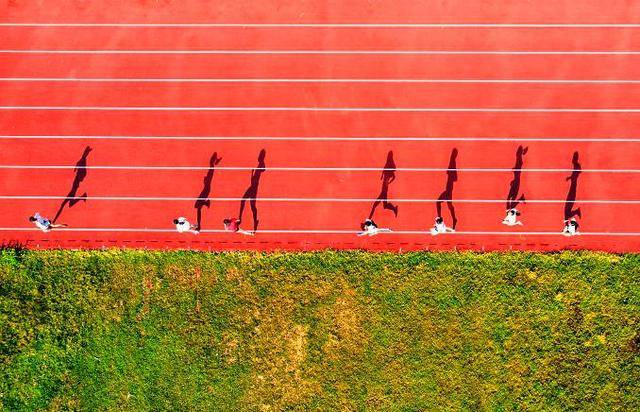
x=333 y=93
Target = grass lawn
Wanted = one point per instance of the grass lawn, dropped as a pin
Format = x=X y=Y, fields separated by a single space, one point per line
x=139 y=330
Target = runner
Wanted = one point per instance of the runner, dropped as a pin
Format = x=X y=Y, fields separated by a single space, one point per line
x=183 y=226
x=233 y=225
x=369 y=228
x=570 y=227
x=439 y=227
x=512 y=218
x=44 y=224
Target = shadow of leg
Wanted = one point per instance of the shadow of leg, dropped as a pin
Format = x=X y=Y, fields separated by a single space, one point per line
x=452 y=210
x=254 y=212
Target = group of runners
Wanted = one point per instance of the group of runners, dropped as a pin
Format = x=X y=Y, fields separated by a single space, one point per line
x=369 y=227
x=181 y=223
x=230 y=225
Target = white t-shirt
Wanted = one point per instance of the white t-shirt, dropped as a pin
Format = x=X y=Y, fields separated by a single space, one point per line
x=42 y=223
x=183 y=225
x=371 y=229
x=439 y=228
x=510 y=219
x=570 y=229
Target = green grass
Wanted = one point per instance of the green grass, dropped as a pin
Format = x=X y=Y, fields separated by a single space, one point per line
x=139 y=330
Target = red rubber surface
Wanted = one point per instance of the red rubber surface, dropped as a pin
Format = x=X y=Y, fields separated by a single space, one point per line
x=23 y=85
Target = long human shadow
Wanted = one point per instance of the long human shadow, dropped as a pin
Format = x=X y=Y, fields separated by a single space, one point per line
x=388 y=176
x=569 y=211
x=514 y=186
x=252 y=191
x=81 y=173
x=203 y=197
x=447 y=194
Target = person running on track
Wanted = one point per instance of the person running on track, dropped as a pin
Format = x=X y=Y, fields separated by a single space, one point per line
x=512 y=218
x=439 y=227
x=44 y=224
x=570 y=227
x=447 y=195
x=233 y=225
x=570 y=223
x=569 y=211
x=369 y=228
x=183 y=226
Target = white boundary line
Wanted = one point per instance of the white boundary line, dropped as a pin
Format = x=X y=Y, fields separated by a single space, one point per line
x=313 y=80
x=319 y=169
x=337 y=138
x=329 y=25
x=337 y=52
x=305 y=199
x=317 y=109
x=322 y=232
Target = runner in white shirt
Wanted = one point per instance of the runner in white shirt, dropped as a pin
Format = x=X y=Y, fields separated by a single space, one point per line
x=369 y=228
x=439 y=227
x=44 y=224
x=512 y=218
x=570 y=227
x=183 y=226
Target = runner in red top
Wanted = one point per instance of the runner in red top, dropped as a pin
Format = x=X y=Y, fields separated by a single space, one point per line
x=233 y=225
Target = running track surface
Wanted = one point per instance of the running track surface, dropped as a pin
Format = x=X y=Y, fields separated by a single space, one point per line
x=332 y=92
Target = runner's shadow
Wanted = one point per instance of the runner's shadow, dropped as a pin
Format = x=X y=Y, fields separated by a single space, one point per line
x=81 y=173
x=387 y=177
x=569 y=211
x=251 y=193
x=447 y=194
x=514 y=186
x=203 y=197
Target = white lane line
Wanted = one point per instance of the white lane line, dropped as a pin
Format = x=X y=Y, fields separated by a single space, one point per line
x=320 y=169
x=313 y=80
x=321 y=109
x=325 y=139
x=322 y=232
x=305 y=199
x=337 y=52
x=324 y=25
